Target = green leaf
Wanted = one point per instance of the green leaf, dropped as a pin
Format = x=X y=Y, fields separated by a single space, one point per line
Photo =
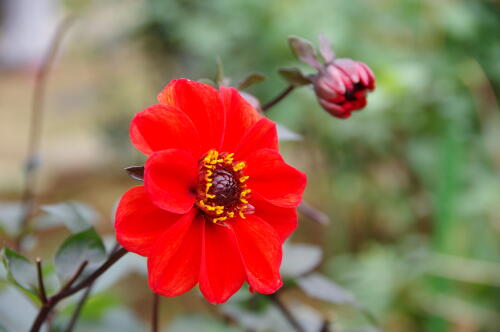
x=299 y=259
x=249 y=80
x=322 y=288
x=75 y=215
x=10 y=216
x=285 y=134
x=199 y=323
x=78 y=248
x=21 y=271
x=17 y=311
x=294 y=76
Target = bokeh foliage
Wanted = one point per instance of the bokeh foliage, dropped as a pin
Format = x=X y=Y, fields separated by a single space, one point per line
x=411 y=183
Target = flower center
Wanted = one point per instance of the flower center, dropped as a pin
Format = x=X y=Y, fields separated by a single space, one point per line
x=222 y=193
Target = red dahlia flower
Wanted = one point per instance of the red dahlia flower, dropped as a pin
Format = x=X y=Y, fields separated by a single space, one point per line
x=217 y=201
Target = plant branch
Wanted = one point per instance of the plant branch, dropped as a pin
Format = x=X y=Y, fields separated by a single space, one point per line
x=69 y=289
x=75 y=276
x=154 y=318
x=36 y=121
x=41 y=286
x=278 y=98
x=286 y=312
x=78 y=309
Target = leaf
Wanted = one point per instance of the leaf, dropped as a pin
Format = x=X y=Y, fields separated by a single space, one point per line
x=294 y=76
x=325 y=48
x=17 y=312
x=300 y=259
x=197 y=323
x=10 y=216
x=304 y=51
x=313 y=213
x=322 y=288
x=272 y=318
x=249 y=80
x=136 y=172
x=285 y=134
x=20 y=270
x=79 y=247
x=75 y=215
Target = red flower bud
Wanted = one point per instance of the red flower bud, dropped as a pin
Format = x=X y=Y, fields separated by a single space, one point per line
x=341 y=86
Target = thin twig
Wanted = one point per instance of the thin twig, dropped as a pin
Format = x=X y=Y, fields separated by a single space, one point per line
x=278 y=98
x=286 y=312
x=313 y=213
x=36 y=121
x=154 y=317
x=41 y=285
x=75 y=276
x=69 y=290
x=78 y=309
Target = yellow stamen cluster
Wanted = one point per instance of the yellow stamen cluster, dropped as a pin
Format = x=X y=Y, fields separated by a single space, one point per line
x=216 y=163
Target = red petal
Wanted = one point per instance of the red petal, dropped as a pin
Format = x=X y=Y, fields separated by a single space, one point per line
x=161 y=127
x=139 y=222
x=274 y=180
x=283 y=220
x=170 y=178
x=260 y=249
x=262 y=135
x=222 y=272
x=202 y=104
x=174 y=263
x=240 y=117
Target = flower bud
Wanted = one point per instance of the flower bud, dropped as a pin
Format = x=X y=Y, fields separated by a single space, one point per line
x=341 y=86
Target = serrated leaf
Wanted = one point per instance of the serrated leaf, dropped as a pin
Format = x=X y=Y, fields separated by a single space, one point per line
x=136 y=172
x=322 y=288
x=294 y=76
x=249 y=80
x=300 y=259
x=78 y=248
x=20 y=269
x=75 y=215
x=304 y=51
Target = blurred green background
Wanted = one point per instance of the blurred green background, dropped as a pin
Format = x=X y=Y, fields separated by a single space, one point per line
x=411 y=183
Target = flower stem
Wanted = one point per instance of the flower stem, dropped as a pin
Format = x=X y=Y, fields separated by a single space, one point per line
x=69 y=289
x=42 y=294
x=286 y=312
x=278 y=98
x=78 y=309
x=36 y=120
x=155 y=308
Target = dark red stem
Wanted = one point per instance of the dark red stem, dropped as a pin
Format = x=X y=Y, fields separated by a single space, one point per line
x=278 y=98
x=69 y=289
